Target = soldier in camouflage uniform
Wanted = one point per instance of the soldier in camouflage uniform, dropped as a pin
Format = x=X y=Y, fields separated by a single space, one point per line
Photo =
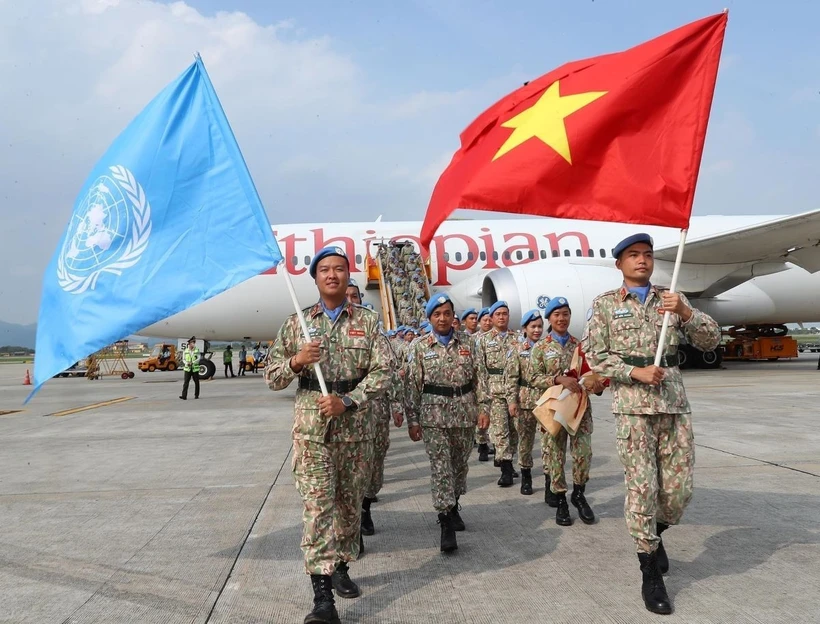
x=551 y=360
x=482 y=435
x=469 y=321
x=444 y=393
x=528 y=394
x=485 y=321
x=332 y=435
x=495 y=349
x=653 y=417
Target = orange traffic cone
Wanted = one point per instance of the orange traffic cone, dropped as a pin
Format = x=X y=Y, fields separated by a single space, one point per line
x=27 y=380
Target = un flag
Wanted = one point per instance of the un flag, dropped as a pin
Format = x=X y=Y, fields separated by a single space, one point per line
x=168 y=218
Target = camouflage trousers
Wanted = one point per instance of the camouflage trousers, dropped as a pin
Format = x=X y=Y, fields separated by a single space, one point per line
x=526 y=437
x=658 y=455
x=449 y=451
x=482 y=436
x=380 y=445
x=503 y=430
x=580 y=448
x=331 y=479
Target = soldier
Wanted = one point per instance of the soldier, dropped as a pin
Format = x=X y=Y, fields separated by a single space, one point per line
x=482 y=437
x=485 y=321
x=469 y=318
x=551 y=360
x=444 y=393
x=332 y=435
x=190 y=366
x=456 y=323
x=528 y=394
x=352 y=293
x=493 y=351
x=653 y=417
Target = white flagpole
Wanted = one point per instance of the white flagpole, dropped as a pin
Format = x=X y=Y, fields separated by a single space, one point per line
x=672 y=287
x=305 y=332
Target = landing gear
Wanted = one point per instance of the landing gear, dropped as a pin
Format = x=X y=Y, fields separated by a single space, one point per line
x=689 y=357
x=207 y=369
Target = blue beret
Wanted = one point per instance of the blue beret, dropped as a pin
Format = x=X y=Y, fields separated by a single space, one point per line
x=468 y=312
x=530 y=316
x=497 y=305
x=425 y=326
x=391 y=332
x=631 y=240
x=324 y=253
x=554 y=304
x=437 y=300
x=484 y=312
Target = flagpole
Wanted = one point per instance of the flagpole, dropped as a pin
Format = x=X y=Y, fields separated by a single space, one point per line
x=667 y=315
x=305 y=332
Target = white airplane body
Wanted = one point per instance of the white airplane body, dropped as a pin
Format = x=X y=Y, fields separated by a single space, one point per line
x=740 y=269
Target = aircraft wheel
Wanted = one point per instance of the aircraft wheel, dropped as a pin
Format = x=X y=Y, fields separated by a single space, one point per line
x=207 y=369
x=712 y=359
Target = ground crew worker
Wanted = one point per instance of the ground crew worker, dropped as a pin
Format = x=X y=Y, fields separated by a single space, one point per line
x=227 y=360
x=444 y=393
x=528 y=395
x=551 y=360
x=653 y=417
x=332 y=435
x=190 y=367
x=494 y=349
x=243 y=360
x=469 y=319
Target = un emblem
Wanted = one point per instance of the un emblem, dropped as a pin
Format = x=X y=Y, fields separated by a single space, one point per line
x=543 y=301
x=108 y=232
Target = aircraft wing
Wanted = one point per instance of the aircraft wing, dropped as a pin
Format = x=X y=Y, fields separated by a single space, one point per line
x=789 y=239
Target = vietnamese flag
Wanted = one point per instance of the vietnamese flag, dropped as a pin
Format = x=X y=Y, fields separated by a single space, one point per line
x=617 y=138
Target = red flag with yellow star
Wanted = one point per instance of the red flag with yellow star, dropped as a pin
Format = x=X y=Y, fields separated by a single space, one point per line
x=617 y=138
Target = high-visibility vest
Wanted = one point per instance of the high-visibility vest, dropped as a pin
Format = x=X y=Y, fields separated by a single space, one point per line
x=190 y=360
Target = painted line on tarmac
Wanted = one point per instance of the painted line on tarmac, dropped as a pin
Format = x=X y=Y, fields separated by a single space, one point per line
x=10 y=412
x=84 y=408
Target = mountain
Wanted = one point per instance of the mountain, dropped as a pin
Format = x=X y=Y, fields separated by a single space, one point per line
x=15 y=335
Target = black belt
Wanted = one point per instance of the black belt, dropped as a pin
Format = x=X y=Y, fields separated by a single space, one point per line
x=667 y=361
x=339 y=387
x=495 y=371
x=525 y=384
x=448 y=391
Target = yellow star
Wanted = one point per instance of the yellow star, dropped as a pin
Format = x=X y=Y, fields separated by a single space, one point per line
x=545 y=121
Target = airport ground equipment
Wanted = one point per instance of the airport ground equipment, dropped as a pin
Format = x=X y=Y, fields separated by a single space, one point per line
x=759 y=342
x=156 y=362
x=109 y=360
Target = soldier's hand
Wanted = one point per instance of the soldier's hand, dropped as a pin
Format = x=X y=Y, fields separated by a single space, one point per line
x=398 y=418
x=570 y=383
x=597 y=387
x=415 y=432
x=651 y=375
x=672 y=302
x=331 y=405
x=513 y=410
x=483 y=421
x=308 y=354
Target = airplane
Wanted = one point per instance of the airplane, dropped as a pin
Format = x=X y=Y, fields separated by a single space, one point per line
x=741 y=270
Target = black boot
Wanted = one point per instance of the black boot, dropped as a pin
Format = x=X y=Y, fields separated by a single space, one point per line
x=580 y=502
x=324 y=607
x=515 y=473
x=506 y=479
x=455 y=517
x=496 y=462
x=448 y=534
x=491 y=451
x=549 y=496
x=526 y=481
x=562 y=512
x=344 y=586
x=663 y=560
x=361 y=546
x=367 y=520
x=653 y=590
x=483 y=452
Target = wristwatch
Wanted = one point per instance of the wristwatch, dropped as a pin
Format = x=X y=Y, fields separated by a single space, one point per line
x=349 y=404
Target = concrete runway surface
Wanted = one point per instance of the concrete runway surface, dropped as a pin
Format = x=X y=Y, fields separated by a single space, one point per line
x=151 y=509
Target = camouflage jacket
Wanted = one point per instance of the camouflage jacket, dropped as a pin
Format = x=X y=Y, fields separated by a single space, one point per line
x=430 y=362
x=352 y=347
x=391 y=401
x=496 y=364
x=621 y=326
x=550 y=360
x=528 y=392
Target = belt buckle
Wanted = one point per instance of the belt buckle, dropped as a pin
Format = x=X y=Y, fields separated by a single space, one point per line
x=457 y=392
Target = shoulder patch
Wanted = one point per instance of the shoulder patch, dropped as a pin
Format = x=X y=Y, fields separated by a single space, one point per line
x=589 y=314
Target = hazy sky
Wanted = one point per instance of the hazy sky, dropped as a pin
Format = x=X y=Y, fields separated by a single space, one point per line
x=348 y=110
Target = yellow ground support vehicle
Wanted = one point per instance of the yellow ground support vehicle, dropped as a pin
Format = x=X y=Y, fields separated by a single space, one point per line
x=163 y=357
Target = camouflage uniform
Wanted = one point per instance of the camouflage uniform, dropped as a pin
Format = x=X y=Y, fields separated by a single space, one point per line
x=551 y=360
x=482 y=436
x=493 y=354
x=332 y=457
x=653 y=424
x=447 y=422
x=528 y=395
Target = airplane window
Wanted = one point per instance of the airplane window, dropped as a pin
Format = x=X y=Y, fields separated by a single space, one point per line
x=591 y=252
x=506 y=255
x=358 y=258
x=543 y=254
x=307 y=260
x=446 y=256
x=294 y=261
x=555 y=253
x=495 y=255
x=531 y=255
x=578 y=252
x=482 y=255
x=458 y=256
x=470 y=255
x=519 y=255
x=602 y=252
x=566 y=252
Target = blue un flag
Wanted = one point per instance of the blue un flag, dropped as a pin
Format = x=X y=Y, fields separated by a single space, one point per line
x=168 y=218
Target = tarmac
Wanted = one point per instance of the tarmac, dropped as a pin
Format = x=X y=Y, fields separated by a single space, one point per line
x=152 y=509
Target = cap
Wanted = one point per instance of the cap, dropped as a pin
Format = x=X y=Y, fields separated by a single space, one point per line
x=436 y=301
x=497 y=306
x=468 y=312
x=324 y=253
x=554 y=304
x=530 y=316
x=641 y=237
x=484 y=312
x=426 y=326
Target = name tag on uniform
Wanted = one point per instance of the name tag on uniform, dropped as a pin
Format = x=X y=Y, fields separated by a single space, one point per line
x=464 y=352
x=491 y=343
x=430 y=355
x=551 y=355
x=356 y=333
x=524 y=354
x=622 y=313
x=313 y=331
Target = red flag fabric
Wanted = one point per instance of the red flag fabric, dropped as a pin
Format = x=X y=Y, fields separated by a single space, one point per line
x=617 y=138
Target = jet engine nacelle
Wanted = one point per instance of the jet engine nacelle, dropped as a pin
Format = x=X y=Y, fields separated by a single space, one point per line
x=532 y=285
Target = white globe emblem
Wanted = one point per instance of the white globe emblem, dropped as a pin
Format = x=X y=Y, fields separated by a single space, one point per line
x=108 y=231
